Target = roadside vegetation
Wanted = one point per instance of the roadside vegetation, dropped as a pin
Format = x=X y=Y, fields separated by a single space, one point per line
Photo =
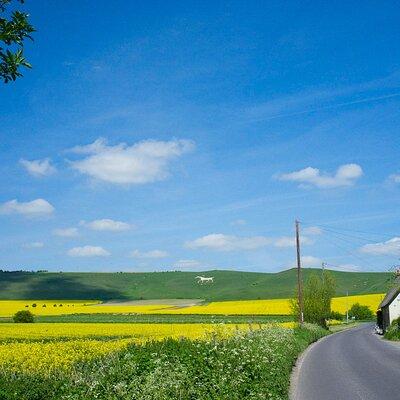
x=317 y=299
x=393 y=333
x=250 y=364
x=361 y=312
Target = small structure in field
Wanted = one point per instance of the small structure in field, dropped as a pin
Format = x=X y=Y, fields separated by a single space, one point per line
x=389 y=309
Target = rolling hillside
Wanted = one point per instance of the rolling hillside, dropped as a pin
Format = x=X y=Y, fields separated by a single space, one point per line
x=228 y=285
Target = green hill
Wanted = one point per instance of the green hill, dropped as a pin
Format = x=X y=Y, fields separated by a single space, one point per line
x=228 y=285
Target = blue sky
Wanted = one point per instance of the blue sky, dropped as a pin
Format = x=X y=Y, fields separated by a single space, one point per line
x=190 y=135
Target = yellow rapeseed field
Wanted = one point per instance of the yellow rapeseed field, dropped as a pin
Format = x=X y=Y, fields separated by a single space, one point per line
x=45 y=357
x=371 y=300
x=39 y=331
x=269 y=307
x=44 y=347
x=62 y=307
x=243 y=307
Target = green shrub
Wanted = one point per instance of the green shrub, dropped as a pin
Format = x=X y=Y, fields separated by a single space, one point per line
x=317 y=298
x=393 y=333
x=23 y=316
x=360 y=312
x=336 y=315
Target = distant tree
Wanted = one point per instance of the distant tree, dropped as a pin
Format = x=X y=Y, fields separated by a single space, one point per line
x=360 y=312
x=14 y=30
x=317 y=296
x=23 y=316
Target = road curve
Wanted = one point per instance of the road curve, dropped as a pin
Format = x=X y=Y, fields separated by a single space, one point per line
x=354 y=364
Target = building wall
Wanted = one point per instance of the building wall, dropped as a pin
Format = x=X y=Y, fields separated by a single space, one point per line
x=385 y=318
x=394 y=308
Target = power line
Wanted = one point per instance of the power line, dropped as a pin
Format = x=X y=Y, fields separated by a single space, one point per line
x=378 y=235
x=349 y=252
x=369 y=240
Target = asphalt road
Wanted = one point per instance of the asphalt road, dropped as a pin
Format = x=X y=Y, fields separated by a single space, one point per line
x=351 y=365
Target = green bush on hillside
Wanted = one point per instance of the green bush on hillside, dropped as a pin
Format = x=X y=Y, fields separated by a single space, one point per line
x=23 y=316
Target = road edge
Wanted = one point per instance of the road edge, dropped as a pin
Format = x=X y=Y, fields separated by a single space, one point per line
x=294 y=376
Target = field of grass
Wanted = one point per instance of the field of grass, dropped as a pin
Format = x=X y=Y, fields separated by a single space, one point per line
x=81 y=367
x=228 y=285
x=243 y=307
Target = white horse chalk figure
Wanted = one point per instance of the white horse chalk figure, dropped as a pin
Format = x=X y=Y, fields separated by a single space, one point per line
x=203 y=279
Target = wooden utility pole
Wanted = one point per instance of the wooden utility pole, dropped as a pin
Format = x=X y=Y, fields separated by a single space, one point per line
x=323 y=271
x=299 y=278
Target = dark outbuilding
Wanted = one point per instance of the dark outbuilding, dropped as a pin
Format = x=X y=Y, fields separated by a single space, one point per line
x=389 y=309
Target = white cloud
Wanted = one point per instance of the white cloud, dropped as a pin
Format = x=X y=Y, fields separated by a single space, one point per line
x=36 y=207
x=189 y=264
x=88 y=251
x=394 y=178
x=149 y=254
x=221 y=242
x=34 y=245
x=311 y=262
x=345 y=267
x=107 y=225
x=66 y=232
x=308 y=262
x=38 y=168
x=390 y=247
x=345 y=175
x=144 y=162
x=312 y=230
x=290 y=241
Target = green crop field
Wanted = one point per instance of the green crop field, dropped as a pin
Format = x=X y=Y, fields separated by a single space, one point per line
x=228 y=285
x=160 y=319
